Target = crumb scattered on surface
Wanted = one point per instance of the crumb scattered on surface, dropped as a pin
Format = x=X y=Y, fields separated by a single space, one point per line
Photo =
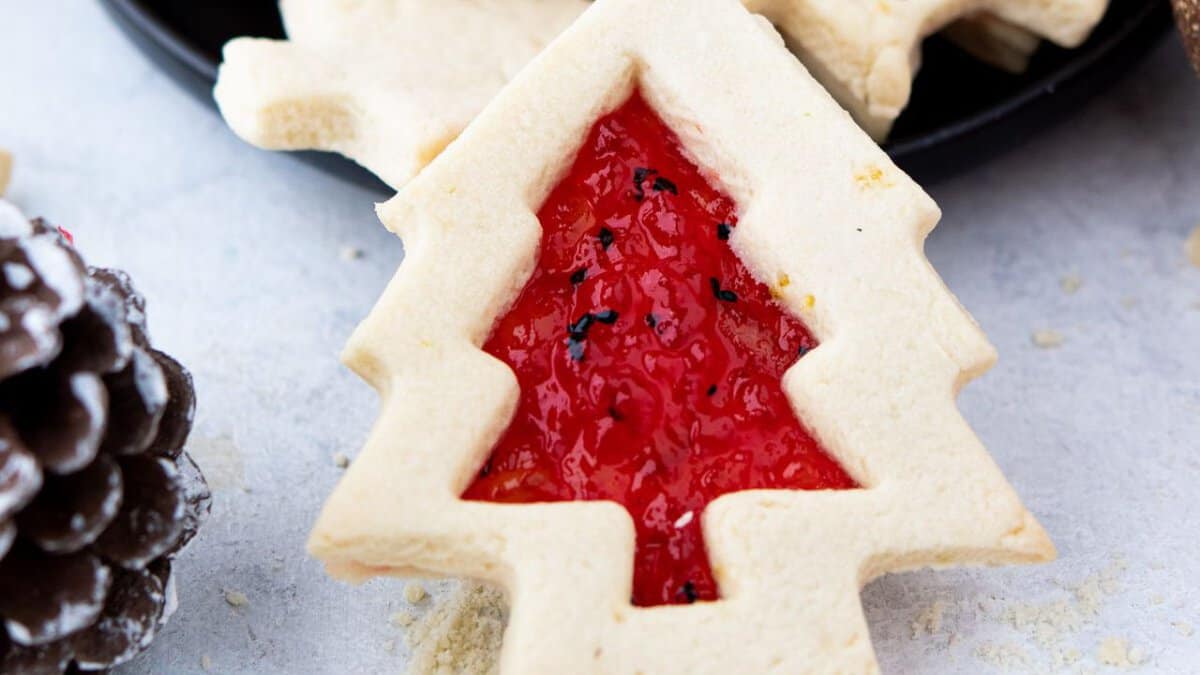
x=389 y=646
x=1071 y=284
x=1129 y=302
x=205 y=663
x=1003 y=656
x=929 y=620
x=1048 y=339
x=1192 y=247
x=340 y=460
x=351 y=253
x=1157 y=599
x=461 y=634
x=1115 y=651
x=414 y=592
x=402 y=619
x=1052 y=628
x=1183 y=628
x=1066 y=657
x=1046 y=624
x=236 y=599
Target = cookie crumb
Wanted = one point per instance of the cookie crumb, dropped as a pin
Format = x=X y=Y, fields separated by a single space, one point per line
x=236 y=599
x=1067 y=657
x=1115 y=651
x=6 y=163
x=205 y=663
x=1191 y=246
x=929 y=620
x=402 y=619
x=351 y=253
x=389 y=646
x=1048 y=339
x=462 y=634
x=1129 y=302
x=1183 y=628
x=1004 y=656
x=340 y=460
x=414 y=592
x=1071 y=284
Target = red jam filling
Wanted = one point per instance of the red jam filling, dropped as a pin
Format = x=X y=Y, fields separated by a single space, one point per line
x=649 y=358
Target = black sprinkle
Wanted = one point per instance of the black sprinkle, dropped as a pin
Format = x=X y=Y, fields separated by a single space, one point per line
x=651 y=320
x=719 y=293
x=688 y=592
x=662 y=184
x=859 y=229
x=579 y=329
x=575 y=348
x=614 y=413
x=578 y=276
x=606 y=237
x=608 y=316
x=723 y=231
x=804 y=349
x=712 y=389
x=640 y=174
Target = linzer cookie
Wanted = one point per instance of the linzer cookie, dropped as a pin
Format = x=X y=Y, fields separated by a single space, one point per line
x=679 y=425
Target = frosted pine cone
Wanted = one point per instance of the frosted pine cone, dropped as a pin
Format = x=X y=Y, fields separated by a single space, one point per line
x=96 y=493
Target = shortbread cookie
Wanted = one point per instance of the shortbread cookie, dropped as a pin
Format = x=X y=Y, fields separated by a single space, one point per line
x=388 y=83
x=994 y=41
x=5 y=171
x=408 y=75
x=665 y=361
x=1187 y=14
x=867 y=51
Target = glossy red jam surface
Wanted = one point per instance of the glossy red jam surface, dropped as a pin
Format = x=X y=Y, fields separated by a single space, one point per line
x=649 y=358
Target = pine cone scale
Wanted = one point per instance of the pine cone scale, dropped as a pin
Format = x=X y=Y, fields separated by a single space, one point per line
x=72 y=511
x=68 y=598
x=20 y=475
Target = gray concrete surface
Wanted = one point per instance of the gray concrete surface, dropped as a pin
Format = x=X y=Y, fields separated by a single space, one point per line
x=239 y=254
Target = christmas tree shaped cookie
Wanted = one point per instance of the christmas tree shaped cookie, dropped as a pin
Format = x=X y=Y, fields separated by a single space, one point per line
x=867 y=51
x=390 y=83
x=666 y=362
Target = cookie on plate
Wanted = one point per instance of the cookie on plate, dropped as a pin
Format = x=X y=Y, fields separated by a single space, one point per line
x=409 y=75
x=388 y=83
x=867 y=51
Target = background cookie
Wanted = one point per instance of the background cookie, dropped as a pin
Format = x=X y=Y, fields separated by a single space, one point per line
x=388 y=83
x=358 y=77
x=1187 y=13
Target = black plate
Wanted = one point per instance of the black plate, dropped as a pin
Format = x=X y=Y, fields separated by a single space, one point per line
x=962 y=112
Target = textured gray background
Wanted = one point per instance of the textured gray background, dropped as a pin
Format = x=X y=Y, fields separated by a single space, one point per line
x=238 y=253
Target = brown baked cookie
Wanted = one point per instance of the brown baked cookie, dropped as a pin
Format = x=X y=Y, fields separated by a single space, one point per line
x=1187 y=14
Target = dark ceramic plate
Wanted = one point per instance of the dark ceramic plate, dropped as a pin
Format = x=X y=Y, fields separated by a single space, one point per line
x=962 y=112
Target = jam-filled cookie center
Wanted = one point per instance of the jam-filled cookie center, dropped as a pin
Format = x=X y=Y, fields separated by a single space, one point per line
x=649 y=358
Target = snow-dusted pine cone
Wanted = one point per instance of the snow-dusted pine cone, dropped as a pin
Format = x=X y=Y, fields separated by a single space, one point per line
x=96 y=493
